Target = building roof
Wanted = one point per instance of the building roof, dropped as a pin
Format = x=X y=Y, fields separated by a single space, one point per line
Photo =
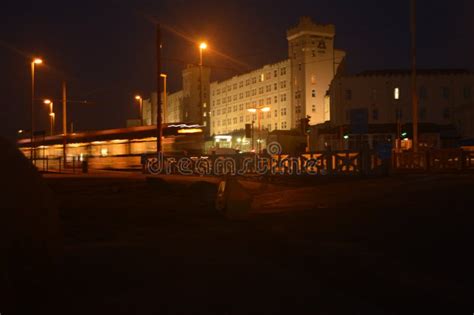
x=407 y=72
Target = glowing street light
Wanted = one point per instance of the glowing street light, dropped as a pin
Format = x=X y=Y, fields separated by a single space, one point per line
x=35 y=61
x=140 y=102
x=51 y=115
x=202 y=46
x=203 y=112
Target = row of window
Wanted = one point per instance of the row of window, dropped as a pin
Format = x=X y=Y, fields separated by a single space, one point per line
x=268 y=114
x=446 y=113
x=445 y=93
x=249 y=93
x=262 y=77
x=240 y=107
x=253 y=117
x=283 y=124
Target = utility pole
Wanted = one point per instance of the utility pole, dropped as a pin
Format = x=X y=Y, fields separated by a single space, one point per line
x=413 y=76
x=32 y=139
x=64 y=124
x=158 y=90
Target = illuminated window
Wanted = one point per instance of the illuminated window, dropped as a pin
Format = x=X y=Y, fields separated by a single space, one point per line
x=396 y=93
x=313 y=79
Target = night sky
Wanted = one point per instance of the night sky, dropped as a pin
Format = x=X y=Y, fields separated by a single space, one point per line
x=106 y=49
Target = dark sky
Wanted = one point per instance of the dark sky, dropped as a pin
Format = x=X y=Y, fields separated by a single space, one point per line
x=105 y=49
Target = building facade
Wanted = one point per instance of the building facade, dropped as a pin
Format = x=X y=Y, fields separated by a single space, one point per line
x=287 y=91
x=189 y=105
x=443 y=97
x=378 y=105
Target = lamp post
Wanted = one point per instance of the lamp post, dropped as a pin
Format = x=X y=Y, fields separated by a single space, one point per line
x=34 y=62
x=51 y=116
x=259 y=111
x=202 y=46
x=140 y=102
x=165 y=97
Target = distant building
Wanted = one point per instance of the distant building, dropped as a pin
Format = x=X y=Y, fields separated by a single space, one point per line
x=292 y=88
x=184 y=106
x=382 y=101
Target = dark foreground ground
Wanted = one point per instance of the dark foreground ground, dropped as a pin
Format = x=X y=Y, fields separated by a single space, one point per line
x=398 y=245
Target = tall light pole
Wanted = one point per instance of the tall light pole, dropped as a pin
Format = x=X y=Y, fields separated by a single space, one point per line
x=202 y=46
x=259 y=111
x=140 y=103
x=158 y=90
x=64 y=100
x=165 y=96
x=53 y=119
x=34 y=62
x=51 y=116
x=413 y=76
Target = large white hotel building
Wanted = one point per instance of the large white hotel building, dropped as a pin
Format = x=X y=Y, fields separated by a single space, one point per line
x=287 y=91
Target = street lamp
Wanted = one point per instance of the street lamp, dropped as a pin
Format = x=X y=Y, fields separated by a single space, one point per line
x=260 y=110
x=34 y=62
x=140 y=102
x=51 y=115
x=165 y=96
x=202 y=46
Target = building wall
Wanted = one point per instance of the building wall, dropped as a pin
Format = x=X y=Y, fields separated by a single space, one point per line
x=184 y=105
x=445 y=97
x=268 y=86
x=314 y=63
x=292 y=88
